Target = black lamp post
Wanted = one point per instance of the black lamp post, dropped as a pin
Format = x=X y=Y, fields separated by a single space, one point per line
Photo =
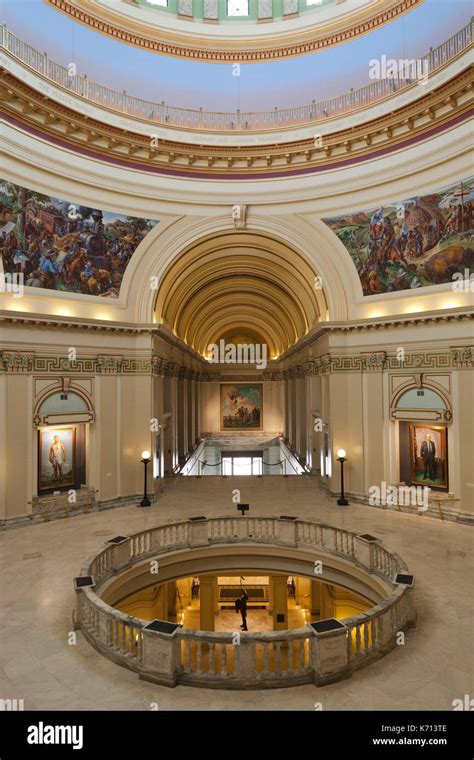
x=145 y=502
x=341 y=456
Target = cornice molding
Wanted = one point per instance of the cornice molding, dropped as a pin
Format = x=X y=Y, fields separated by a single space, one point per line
x=20 y=319
x=190 y=44
x=378 y=324
x=438 y=111
x=372 y=360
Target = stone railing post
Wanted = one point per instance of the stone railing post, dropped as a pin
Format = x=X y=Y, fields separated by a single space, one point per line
x=120 y=552
x=329 y=654
x=198 y=531
x=242 y=529
x=329 y=537
x=81 y=583
x=103 y=623
x=287 y=530
x=407 y=581
x=385 y=627
x=245 y=660
x=364 y=550
x=160 y=653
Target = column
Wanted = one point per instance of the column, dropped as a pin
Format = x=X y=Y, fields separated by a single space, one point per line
x=373 y=417
x=158 y=413
x=174 y=422
x=207 y=603
x=182 y=419
x=302 y=391
x=298 y=413
x=168 y=431
x=315 y=600
x=279 y=602
x=346 y=404
x=171 y=600
x=463 y=429
x=291 y=413
x=197 y=410
x=322 y=602
x=160 y=607
x=315 y=436
x=191 y=414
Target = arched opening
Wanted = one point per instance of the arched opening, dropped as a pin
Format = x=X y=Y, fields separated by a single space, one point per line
x=240 y=285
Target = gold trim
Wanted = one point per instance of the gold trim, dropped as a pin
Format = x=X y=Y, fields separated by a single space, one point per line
x=389 y=131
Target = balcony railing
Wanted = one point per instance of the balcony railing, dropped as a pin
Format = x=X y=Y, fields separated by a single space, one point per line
x=270 y=659
x=214 y=121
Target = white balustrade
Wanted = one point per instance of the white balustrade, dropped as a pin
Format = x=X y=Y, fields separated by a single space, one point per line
x=159 y=113
x=240 y=660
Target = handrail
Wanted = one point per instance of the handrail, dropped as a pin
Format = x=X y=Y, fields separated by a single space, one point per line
x=275 y=658
x=215 y=121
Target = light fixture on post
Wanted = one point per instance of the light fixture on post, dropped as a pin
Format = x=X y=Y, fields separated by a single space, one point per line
x=145 y=502
x=341 y=456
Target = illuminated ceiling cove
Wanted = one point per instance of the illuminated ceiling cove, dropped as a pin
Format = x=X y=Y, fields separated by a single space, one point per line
x=239 y=283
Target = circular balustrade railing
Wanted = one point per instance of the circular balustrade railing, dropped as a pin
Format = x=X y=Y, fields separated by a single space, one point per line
x=214 y=121
x=320 y=654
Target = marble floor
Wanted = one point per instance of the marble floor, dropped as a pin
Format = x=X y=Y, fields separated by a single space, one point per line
x=40 y=663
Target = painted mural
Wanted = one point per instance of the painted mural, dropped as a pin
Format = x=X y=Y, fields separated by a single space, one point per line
x=241 y=407
x=60 y=245
x=421 y=241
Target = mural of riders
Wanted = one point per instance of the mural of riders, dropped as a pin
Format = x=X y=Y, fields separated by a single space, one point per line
x=413 y=243
x=60 y=245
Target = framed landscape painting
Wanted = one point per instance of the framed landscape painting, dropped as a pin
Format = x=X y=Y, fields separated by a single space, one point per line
x=241 y=406
x=56 y=458
x=429 y=456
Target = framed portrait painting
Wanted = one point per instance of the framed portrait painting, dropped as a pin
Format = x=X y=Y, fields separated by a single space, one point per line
x=56 y=458
x=429 y=456
x=241 y=407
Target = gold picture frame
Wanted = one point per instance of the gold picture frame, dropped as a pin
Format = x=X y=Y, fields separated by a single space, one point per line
x=56 y=458
x=241 y=406
x=429 y=456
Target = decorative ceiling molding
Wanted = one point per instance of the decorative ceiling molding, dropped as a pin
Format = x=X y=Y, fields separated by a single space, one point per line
x=439 y=110
x=187 y=41
x=30 y=321
x=379 y=324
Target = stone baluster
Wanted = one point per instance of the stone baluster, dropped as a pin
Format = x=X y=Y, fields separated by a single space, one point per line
x=223 y=659
x=212 y=668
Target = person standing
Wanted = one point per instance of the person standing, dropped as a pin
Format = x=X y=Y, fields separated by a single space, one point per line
x=428 y=453
x=241 y=606
x=57 y=458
